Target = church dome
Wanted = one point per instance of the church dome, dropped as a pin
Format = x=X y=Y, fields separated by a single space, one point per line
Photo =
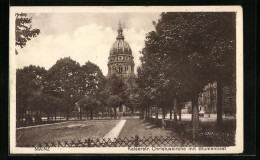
x=120 y=46
x=120 y=60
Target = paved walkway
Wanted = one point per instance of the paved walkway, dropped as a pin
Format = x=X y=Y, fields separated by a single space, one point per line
x=114 y=133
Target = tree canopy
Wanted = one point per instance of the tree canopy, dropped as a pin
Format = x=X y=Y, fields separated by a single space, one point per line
x=23 y=30
x=61 y=81
x=29 y=81
x=61 y=88
x=186 y=51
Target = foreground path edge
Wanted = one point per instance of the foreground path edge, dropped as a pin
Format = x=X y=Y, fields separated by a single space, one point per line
x=114 y=133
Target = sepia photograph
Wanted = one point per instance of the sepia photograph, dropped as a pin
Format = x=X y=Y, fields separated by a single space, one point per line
x=126 y=80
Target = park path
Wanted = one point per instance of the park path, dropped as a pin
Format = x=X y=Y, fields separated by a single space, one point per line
x=40 y=125
x=114 y=133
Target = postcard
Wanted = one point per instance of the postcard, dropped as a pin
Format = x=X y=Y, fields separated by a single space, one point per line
x=126 y=80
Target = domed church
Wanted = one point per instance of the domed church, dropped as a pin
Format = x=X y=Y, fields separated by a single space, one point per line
x=121 y=63
x=120 y=60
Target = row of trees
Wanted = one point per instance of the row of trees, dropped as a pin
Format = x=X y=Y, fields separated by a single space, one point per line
x=66 y=85
x=184 y=53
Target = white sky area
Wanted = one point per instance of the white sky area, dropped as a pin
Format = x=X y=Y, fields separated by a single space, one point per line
x=83 y=37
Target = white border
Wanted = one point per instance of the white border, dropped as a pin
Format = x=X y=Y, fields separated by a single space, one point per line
x=124 y=150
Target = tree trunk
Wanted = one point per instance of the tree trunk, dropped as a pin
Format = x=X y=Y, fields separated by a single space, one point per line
x=67 y=117
x=145 y=113
x=80 y=116
x=163 y=117
x=191 y=112
x=48 y=117
x=179 y=113
x=91 y=114
x=142 y=114
x=195 y=120
x=22 y=117
x=219 y=104
x=157 y=113
x=175 y=109
x=115 y=112
x=55 y=115
x=165 y=112
x=150 y=112
x=170 y=112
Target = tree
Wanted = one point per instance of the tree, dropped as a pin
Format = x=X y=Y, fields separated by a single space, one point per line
x=114 y=101
x=29 y=83
x=91 y=83
x=91 y=80
x=23 y=30
x=61 y=82
x=223 y=56
x=152 y=75
x=182 y=54
x=131 y=92
x=146 y=82
x=89 y=103
x=138 y=102
x=49 y=105
x=103 y=98
x=117 y=91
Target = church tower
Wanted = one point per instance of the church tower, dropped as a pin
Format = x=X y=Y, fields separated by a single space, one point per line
x=120 y=60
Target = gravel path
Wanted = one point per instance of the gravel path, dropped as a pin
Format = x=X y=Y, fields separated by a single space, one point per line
x=114 y=133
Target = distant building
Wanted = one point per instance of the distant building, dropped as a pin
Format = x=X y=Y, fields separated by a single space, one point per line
x=207 y=101
x=120 y=60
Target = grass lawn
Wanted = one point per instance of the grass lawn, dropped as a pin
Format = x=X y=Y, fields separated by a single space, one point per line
x=72 y=130
x=138 y=127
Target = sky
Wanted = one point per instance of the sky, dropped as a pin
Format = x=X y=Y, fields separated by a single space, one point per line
x=83 y=37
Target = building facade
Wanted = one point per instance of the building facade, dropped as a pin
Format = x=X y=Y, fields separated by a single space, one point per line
x=120 y=60
x=207 y=101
